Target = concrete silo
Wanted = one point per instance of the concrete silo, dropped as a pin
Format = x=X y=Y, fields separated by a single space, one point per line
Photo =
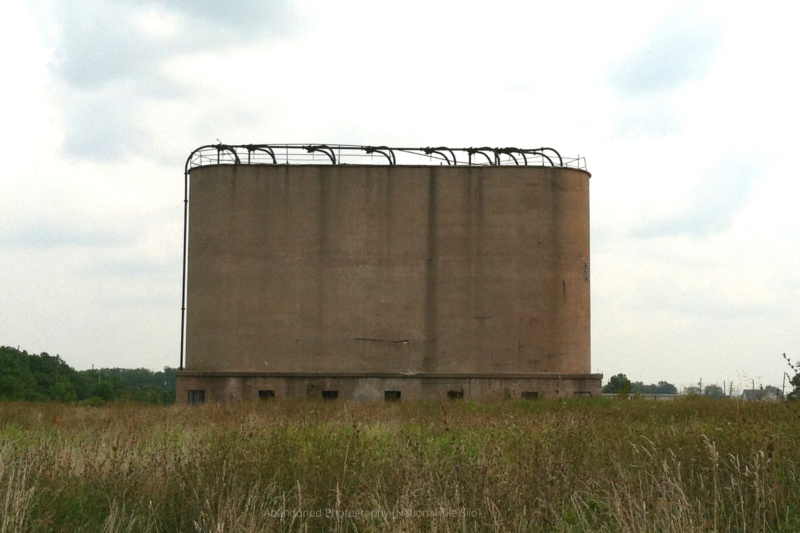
x=375 y=273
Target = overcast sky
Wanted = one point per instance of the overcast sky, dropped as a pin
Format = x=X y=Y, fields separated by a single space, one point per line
x=687 y=114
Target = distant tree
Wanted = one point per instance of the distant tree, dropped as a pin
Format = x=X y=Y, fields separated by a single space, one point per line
x=12 y=383
x=46 y=377
x=169 y=381
x=795 y=394
x=661 y=388
x=618 y=384
x=664 y=387
x=692 y=391
x=63 y=390
x=774 y=392
x=794 y=381
x=148 y=394
x=54 y=378
x=134 y=384
x=103 y=390
x=714 y=391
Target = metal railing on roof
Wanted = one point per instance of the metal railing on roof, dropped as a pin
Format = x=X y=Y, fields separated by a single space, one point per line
x=346 y=154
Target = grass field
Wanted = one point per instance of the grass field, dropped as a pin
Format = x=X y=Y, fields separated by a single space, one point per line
x=583 y=465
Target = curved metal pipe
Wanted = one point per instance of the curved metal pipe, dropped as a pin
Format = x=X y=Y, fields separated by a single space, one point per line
x=194 y=153
x=560 y=161
x=380 y=150
x=537 y=152
x=322 y=148
x=262 y=148
x=185 y=241
x=484 y=154
x=183 y=282
x=517 y=150
x=440 y=148
x=444 y=155
x=224 y=147
x=438 y=151
x=507 y=151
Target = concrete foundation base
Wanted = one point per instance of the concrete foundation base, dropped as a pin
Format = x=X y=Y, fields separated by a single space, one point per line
x=206 y=387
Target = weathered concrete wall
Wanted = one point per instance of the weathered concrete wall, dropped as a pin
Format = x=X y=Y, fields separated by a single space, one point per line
x=429 y=269
x=232 y=386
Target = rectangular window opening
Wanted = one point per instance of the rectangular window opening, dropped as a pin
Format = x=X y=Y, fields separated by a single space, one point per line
x=197 y=396
x=530 y=395
x=266 y=394
x=330 y=394
x=455 y=394
x=391 y=395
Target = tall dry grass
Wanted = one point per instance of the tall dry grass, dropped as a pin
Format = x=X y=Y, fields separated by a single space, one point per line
x=628 y=466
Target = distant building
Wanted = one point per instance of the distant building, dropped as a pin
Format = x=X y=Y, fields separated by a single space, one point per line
x=767 y=394
x=753 y=395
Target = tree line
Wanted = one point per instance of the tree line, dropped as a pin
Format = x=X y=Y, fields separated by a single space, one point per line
x=45 y=377
x=620 y=384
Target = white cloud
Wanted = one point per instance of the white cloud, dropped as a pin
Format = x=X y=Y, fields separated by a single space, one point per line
x=681 y=49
